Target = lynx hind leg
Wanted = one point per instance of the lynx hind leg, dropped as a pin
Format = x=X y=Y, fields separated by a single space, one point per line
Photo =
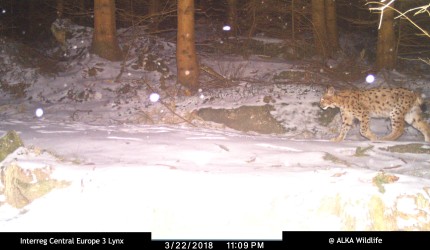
x=416 y=119
x=397 y=127
x=365 y=129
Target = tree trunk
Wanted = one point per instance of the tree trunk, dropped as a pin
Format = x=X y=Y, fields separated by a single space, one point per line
x=154 y=10
x=186 y=59
x=82 y=10
x=319 y=28
x=60 y=9
x=32 y=24
x=331 y=22
x=293 y=21
x=232 y=16
x=105 y=43
x=386 y=53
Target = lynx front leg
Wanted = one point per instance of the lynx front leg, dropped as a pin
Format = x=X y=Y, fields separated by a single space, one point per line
x=424 y=128
x=397 y=127
x=347 y=120
x=415 y=118
x=365 y=128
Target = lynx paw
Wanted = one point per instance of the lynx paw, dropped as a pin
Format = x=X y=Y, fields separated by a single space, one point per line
x=337 y=139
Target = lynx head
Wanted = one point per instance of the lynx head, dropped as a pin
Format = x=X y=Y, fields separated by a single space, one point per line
x=328 y=100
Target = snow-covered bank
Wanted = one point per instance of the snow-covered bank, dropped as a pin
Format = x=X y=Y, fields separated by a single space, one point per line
x=180 y=182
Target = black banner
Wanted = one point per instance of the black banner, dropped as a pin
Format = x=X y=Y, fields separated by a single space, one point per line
x=290 y=240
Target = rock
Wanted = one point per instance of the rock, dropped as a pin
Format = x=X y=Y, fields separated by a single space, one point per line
x=245 y=118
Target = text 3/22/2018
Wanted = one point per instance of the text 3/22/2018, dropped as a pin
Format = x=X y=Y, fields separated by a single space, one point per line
x=188 y=245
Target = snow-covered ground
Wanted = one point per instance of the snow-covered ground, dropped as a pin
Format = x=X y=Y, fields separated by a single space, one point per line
x=131 y=164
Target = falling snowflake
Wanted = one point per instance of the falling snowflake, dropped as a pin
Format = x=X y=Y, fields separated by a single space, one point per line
x=39 y=112
x=370 y=79
x=154 y=97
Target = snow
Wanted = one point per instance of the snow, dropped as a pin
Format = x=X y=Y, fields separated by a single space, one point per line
x=131 y=173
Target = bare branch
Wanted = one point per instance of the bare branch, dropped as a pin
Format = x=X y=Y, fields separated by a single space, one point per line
x=419 y=10
x=382 y=8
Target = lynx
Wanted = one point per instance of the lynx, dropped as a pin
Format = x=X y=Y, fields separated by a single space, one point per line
x=398 y=104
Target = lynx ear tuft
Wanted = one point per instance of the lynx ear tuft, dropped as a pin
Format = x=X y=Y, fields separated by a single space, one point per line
x=330 y=90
